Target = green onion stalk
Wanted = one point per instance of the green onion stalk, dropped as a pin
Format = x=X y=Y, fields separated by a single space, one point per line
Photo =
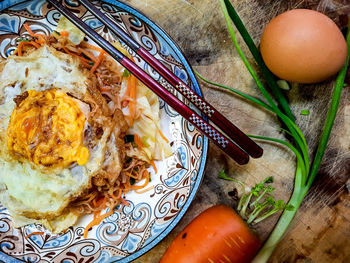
x=305 y=170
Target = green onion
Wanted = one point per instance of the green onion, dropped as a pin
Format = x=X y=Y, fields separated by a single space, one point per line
x=304 y=112
x=129 y=138
x=282 y=84
x=332 y=112
x=126 y=73
x=258 y=58
x=223 y=175
x=246 y=96
x=85 y=56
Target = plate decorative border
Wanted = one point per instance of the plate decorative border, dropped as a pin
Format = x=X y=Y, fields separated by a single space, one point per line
x=116 y=239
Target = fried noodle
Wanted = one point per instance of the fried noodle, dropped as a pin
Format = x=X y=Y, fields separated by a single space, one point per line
x=108 y=187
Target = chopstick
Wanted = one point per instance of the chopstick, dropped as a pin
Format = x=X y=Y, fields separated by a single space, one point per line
x=215 y=116
x=219 y=139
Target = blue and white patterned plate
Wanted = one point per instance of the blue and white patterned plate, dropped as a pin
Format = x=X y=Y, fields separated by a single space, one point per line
x=130 y=231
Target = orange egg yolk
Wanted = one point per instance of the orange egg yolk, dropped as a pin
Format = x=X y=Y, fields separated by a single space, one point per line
x=47 y=128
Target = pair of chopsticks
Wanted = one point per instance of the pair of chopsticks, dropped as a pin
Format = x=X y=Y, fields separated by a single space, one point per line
x=238 y=151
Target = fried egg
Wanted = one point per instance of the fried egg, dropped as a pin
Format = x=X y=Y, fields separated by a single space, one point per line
x=48 y=153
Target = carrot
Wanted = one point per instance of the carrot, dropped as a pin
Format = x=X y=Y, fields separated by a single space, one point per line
x=96 y=221
x=118 y=196
x=126 y=96
x=97 y=214
x=162 y=135
x=21 y=44
x=154 y=166
x=104 y=82
x=126 y=203
x=86 y=64
x=131 y=89
x=99 y=202
x=216 y=235
x=88 y=54
x=76 y=55
x=33 y=43
x=127 y=186
x=102 y=89
x=19 y=49
x=34 y=234
x=106 y=214
x=138 y=141
x=98 y=62
x=64 y=34
x=137 y=187
x=27 y=27
x=83 y=60
x=40 y=39
x=130 y=175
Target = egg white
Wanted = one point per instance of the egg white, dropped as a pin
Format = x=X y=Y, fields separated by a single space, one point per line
x=43 y=69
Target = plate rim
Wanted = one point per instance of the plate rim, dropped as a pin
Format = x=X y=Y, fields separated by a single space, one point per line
x=178 y=51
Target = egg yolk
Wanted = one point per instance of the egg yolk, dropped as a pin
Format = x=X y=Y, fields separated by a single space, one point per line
x=47 y=128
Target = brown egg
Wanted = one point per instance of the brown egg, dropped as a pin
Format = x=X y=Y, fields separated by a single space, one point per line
x=303 y=46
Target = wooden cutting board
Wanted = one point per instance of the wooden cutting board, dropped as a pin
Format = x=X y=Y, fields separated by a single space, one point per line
x=321 y=230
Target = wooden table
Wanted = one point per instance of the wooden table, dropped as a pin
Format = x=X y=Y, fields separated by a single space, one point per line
x=321 y=230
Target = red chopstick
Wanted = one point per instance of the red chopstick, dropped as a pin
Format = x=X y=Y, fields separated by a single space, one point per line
x=215 y=116
x=220 y=140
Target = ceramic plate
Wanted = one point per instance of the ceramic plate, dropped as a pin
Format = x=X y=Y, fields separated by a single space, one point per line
x=130 y=231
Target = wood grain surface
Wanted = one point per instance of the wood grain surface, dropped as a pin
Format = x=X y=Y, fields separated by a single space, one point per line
x=321 y=230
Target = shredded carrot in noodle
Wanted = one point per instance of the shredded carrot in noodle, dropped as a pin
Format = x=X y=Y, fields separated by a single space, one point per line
x=126 y=203
x=99 y=202
x=88 y=54
x=75 y=55
x=21 y=44
x=64 y=34
x=19 y=49
x=33 y=43
x=154 y=166
x=131 y=89
x=130 y=175
x=40 y=39
x=136 y=187
x=162 y=135
x=27 y=27
x=98 y=62
x=138 y=141
x=119 y=194
x=104 y=89
x=34 y=234
x=96 y=221
x=86 y=64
